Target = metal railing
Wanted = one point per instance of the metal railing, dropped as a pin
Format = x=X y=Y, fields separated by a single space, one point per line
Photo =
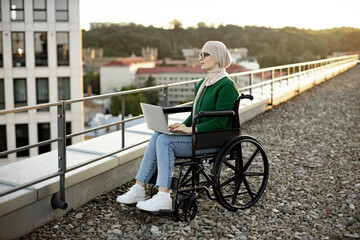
x=285 y=72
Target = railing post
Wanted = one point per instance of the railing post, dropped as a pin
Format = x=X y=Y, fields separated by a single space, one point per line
x=272 y=93
x=251 y=82
x=280 y=76
x=122 y=119
x=288 y=73
x=262 y=80
x=58 y=199
x=272 y=86
x=165 y=101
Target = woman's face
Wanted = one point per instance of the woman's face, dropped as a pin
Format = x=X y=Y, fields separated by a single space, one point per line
x=206 y=62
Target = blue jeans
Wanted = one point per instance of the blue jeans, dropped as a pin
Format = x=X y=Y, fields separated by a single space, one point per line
x=160 y=154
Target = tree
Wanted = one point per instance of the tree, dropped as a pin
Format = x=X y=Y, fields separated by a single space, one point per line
x=272 y=46
x=152 y=97
x=92 y=79
x=132 y=103
x=175 y=24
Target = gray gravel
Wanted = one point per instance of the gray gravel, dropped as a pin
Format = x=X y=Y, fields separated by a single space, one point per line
x=313 y=144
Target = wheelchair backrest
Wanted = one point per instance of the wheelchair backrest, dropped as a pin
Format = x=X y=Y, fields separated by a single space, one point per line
x=218 y=138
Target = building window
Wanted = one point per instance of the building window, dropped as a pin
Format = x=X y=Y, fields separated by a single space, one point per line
x=42 y=92
x=3 y=141
x=62 y=47
x=64 y=89
x=43 y=135
x=62 y=9
x=0 y=12
x=39 y=10
x=1 y=48
x=18 y=49
x=2 y=94
x=20 y=93
x=41 y=57
x=22 y=139
x=17 y=10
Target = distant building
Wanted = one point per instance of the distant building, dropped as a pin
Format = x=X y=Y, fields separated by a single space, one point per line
x=40 y=62
x=192 y=56
x=238 y=55
x=249 y=63
x=95 y=25
x=93 y=59
x=149 y=54
x=340 y=54
x=167 y=75
x=120 y=73
x=171 y=63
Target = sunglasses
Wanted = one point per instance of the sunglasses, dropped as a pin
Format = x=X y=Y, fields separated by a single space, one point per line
x=203 y=55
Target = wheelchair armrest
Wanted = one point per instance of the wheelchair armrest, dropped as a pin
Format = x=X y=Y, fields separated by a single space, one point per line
x=221 y=113
x=168 y=110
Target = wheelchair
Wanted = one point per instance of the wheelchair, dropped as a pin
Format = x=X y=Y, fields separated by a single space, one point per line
x=237 y=171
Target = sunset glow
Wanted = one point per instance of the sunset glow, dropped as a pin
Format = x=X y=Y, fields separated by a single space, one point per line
x=308 y=14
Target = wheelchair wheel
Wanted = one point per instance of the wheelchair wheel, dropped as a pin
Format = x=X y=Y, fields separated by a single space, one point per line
x=241 y=172
x=184 y=212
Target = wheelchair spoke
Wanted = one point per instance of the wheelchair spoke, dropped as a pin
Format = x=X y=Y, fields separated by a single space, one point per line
x=248 y=188
x=238 y=194
x=236 y=190
x=237 y=171
x=239 y=159
x=241 y=173
x=251 y=159
x=227 y=182
x=254 y=174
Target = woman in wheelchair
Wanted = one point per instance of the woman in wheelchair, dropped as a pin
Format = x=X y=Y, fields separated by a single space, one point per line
x=216 y=92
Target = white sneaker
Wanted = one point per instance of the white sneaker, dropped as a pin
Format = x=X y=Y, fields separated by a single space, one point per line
x=156 y=203
x=134 y=195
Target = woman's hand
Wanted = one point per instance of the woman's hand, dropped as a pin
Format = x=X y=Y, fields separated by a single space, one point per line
x=179 y=127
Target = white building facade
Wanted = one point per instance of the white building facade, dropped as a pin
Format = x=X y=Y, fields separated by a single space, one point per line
x=121 y=73
x=167 y=75
x=40 y=48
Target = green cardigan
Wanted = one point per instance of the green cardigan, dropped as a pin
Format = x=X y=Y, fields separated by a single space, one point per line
x=219 y=96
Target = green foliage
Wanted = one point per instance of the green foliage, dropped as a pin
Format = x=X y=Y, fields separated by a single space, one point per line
x=269 y=46
x=152 y=97
x=132 y=103
x=93 y=79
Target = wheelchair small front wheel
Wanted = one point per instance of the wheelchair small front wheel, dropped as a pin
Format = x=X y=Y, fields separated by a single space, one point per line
x=241 y=172
x=185 y=210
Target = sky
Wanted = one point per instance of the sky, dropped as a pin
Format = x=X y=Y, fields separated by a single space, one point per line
x=305 y=14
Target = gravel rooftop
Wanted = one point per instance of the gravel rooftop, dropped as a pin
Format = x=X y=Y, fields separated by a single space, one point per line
x=313 y=145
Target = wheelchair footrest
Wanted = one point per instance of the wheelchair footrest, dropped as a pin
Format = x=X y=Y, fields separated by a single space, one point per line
x=130 y=205
x=175 y=183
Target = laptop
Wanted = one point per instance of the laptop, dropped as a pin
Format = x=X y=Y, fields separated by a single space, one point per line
x=155 y=119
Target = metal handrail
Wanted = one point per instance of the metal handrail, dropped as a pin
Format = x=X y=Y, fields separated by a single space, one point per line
x=325 y=63
x=108 y=95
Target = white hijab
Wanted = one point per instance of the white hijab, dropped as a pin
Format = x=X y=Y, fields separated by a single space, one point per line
x=220 y=54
